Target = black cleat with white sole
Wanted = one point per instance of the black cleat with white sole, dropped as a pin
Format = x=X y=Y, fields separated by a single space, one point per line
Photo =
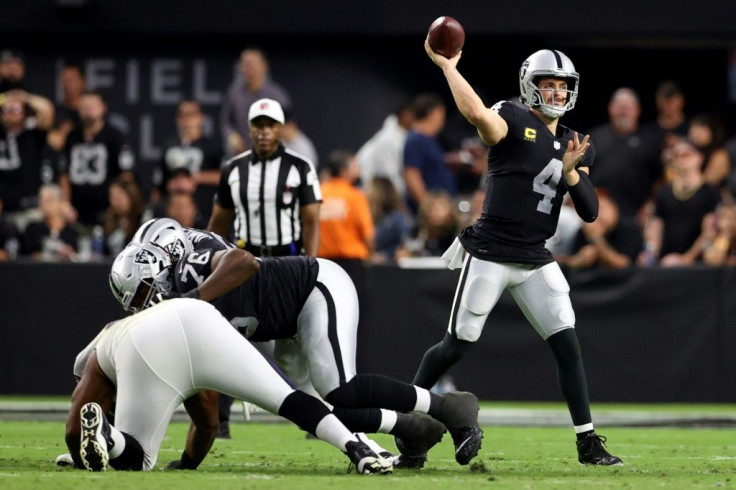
x=95 y=438
x=366 y=461
x=592 y=450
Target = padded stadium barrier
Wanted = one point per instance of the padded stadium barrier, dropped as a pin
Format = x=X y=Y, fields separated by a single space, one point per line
x=647 y=335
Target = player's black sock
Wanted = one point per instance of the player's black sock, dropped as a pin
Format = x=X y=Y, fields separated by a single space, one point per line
x=359 y=419
x=403 y=426
x=438 y=359
x=304 y=410
x=374 y=391
x=132 y=456
x=571 y=374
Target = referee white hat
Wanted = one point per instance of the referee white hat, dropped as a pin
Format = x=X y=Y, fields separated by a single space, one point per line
x=266 y=107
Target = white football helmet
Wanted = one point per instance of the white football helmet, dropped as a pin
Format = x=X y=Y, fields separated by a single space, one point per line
x=548 y=63
x=167 y=234
x=138 y=273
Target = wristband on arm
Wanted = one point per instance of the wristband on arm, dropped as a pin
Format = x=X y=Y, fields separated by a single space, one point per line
x=584 y=198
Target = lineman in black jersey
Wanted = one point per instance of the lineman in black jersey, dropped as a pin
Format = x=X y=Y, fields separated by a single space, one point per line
x=533 y=162
x=314 y=302
x=310 y=308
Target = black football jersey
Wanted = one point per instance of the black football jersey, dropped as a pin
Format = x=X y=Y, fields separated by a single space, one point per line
x=525 y=189
x=197 y=156
x=23 y=168
x=92 y=166
x=202 y=239
x=266 y=306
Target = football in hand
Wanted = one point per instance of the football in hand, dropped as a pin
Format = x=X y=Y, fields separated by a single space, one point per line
x=446 y=36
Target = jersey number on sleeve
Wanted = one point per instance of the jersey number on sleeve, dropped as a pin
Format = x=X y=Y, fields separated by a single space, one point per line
x=545 y=183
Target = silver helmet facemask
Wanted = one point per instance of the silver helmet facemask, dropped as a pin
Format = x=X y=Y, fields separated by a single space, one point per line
x=138 y=274
x=548 y=64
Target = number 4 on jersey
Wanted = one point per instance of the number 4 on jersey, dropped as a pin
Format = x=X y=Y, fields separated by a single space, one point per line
x=545 y=183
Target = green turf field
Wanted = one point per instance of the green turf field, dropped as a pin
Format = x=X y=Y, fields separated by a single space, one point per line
x=278 y=456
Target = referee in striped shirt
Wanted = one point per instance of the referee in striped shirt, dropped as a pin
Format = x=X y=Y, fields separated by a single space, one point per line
x=271 y=196
x=271 y=193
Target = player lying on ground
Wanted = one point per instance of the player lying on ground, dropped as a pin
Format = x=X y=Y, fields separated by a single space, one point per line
x=310 y=307
x=176 y=352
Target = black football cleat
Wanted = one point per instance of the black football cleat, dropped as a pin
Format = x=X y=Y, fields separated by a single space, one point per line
x=96 y=440
x=592 y=450
x=422 y=434
x=459 y=413
x=366 y=461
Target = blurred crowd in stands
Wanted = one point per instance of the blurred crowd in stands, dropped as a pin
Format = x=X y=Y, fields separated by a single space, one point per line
x=68 y=190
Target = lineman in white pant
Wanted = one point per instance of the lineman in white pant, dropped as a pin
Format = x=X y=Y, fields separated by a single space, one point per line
x=165 y=355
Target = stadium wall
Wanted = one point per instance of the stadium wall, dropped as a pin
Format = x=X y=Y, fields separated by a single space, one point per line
x=648 y=335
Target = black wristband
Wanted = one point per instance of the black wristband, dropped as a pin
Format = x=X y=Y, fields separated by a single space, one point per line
x=193 y=293
x=584 y=198
x=187 y=463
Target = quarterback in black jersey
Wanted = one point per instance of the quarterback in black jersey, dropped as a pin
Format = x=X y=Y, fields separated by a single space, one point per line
x=309 y=307
x=533 y=162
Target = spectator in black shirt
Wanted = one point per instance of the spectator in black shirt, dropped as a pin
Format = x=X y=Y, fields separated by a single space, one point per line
x=627 y=161
x=609 y=241
x=72 y=83
x=671 y=121
x=710 y=136
x=94 y=155
x=673 y=234
x=22 y=145
x=194 y=152
x=52 y=238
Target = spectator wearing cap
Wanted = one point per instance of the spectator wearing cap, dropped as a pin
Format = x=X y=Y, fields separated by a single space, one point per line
x=270 y=196
x=191 y=151
x=252 y=83
x=674 y=234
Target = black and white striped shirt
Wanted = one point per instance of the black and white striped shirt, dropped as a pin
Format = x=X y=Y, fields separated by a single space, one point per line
x=267 y=195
